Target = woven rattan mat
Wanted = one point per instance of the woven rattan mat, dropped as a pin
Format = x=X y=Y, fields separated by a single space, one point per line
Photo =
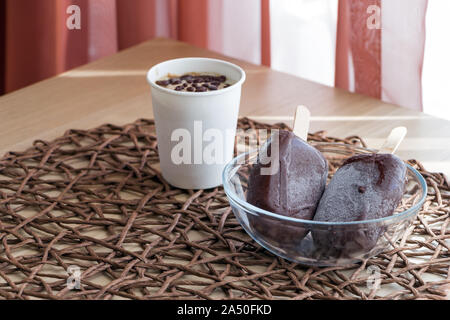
x=88 y=216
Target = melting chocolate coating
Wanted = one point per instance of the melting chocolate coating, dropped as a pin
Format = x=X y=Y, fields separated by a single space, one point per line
x=366 y=187
x=294 y=190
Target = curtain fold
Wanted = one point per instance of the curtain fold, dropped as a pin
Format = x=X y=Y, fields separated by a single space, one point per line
x=359 y=49
x=265 y=33
x=2 y=45
x=136 y=21
x=31 y=42
x=343 y=57
x=192 y=22
x=67 y=48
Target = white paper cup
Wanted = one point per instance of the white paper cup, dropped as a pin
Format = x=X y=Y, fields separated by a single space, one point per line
x=195 y=130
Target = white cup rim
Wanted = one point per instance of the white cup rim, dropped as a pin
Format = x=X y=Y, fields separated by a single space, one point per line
x=198 y=94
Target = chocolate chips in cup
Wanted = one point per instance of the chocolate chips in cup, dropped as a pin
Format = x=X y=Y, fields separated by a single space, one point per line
x=194 y=82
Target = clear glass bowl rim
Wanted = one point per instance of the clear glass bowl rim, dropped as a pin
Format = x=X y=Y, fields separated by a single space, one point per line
x=248 y=207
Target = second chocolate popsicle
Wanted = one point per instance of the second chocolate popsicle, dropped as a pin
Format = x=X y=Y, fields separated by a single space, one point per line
x=366 y=187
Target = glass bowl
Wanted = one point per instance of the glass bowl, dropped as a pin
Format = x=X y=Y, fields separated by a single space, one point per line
x=317 y=243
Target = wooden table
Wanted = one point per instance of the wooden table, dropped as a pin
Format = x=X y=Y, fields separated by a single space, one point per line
x=114 y=89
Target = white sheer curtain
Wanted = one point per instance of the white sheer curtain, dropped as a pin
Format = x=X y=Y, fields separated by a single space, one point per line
x=303 y=38
x=242 y=37
x=402 y=51
x=436 y=70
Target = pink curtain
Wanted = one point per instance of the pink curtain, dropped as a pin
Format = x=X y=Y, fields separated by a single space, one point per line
x=265 y=33
x=36 y=43
x=385 y=63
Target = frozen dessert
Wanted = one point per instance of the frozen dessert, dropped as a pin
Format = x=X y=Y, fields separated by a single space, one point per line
x=366 y=187
x=294 y=190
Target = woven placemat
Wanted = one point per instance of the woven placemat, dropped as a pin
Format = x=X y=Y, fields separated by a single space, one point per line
x=88 y=216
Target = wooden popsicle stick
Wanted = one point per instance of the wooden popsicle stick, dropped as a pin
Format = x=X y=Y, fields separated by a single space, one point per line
x=394 y=140
x=301 y=122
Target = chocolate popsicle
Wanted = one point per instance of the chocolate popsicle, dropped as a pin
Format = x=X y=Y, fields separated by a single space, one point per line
x=366 y=187
x=294 y=190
